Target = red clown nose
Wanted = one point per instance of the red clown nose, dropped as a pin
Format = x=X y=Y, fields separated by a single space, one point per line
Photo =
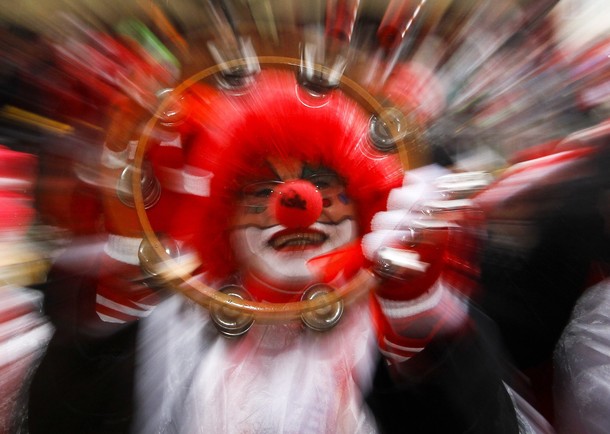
x=297 y=204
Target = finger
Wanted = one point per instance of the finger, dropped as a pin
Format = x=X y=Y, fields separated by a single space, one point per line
x=373 y=241
x=395 y=219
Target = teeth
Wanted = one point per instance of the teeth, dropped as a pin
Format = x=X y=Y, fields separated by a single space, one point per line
x=298 y=240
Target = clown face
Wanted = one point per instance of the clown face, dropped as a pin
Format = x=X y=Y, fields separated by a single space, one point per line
x=275 y=251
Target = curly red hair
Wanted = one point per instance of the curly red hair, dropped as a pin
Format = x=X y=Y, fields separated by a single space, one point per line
x=273 y=118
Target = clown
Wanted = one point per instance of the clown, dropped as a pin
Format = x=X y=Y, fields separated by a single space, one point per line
x=282 y=194
x=263 y=238
x=280 y=209
x=293 y=181
x=269 y=154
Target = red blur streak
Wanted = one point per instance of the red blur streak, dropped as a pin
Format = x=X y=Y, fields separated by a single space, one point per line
x=340 y=18
x=397 y=19
x=110 y=67
x=347 y=260
x=513 y=181
x=462 y=257
x=580 y=143
x=535 y=152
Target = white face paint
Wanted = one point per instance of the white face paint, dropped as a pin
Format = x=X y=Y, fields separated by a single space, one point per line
x=279 y=256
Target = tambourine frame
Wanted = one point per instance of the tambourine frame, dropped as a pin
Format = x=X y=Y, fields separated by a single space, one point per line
x=361 y=284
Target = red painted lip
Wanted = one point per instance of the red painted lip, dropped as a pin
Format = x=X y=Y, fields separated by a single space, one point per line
x=297 y=239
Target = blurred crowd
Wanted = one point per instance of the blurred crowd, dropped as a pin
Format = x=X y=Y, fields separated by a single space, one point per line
x=457 y=154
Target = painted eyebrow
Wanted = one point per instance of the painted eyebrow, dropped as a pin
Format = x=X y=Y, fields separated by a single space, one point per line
x=309 y=171
x=273 y=170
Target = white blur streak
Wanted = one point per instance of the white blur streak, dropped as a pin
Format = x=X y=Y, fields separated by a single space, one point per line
x=317 y=50
x=397 y=53
x=580 y=22
x=278 y=378
x=93 y=54
x=24 y=335
x=479 y=38
x=264 y=17
x=582 y=361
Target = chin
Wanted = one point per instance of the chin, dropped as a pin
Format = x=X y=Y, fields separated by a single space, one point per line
x=281 y=269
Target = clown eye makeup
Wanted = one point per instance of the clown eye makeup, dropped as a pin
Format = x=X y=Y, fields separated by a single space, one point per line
x=325 y=182
x=255 y=197
x=263 y=191
x=330 y=187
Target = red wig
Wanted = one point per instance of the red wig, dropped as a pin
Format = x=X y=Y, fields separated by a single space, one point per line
x=276 y=118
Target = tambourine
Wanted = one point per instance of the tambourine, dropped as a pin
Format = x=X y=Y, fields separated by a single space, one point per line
x=232 y=310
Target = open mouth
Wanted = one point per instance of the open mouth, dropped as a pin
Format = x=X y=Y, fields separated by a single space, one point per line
x=290 y=240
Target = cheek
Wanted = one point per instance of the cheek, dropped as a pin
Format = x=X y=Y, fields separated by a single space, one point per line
x=247 y=244
x=338 y=208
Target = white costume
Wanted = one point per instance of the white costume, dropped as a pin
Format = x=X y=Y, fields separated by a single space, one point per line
x=276 y=379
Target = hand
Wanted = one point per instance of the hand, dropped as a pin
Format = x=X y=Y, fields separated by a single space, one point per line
x=424 y=253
